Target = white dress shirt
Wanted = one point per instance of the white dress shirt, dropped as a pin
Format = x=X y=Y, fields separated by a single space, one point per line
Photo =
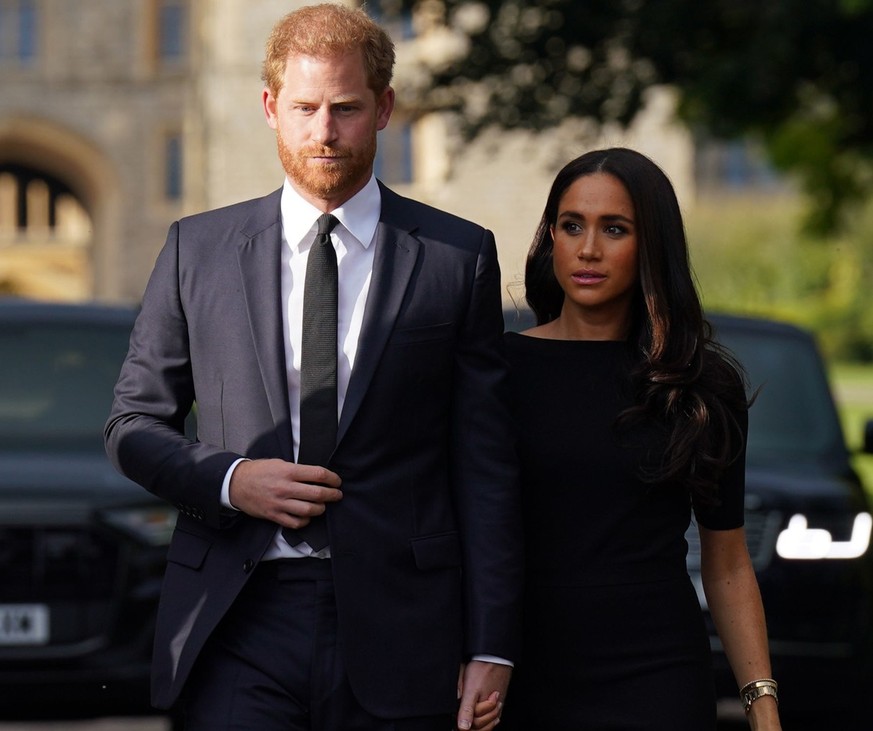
x=353 y=241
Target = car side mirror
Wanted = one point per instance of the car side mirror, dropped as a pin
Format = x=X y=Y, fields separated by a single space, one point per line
x=868 y=437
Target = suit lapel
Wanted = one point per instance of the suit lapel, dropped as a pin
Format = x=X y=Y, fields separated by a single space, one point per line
x=394 y=261
x=259 y=259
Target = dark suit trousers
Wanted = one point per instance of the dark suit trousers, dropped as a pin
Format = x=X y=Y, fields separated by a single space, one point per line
x=274 y=662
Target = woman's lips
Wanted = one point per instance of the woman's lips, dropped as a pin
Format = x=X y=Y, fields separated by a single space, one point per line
x=587 y=276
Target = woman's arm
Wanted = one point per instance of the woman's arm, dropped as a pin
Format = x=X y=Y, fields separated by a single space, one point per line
x=735 y=605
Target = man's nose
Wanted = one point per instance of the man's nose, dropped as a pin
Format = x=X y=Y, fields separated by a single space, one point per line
x=324 y=130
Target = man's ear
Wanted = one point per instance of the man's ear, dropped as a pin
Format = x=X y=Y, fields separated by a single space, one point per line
x=384 y=107
x=269 y=103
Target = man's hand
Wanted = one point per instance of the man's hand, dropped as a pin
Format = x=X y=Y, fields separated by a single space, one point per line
x=481 y=689
x=286 y=493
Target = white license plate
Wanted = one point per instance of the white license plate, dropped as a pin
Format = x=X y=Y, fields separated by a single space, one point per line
x=24 y=624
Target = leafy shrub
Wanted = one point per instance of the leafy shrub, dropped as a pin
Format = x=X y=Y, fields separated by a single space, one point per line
x=751 y=256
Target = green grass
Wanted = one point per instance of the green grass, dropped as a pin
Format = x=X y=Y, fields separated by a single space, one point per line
x=750 y=257
x=853 y=390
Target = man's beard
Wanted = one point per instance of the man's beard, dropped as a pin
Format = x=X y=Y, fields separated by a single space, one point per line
x=351 y=170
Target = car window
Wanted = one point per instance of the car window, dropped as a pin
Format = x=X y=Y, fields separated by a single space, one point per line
x=793 y=419
x=56 y=383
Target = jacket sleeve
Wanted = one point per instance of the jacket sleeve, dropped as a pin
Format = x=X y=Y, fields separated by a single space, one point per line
x=485 y=476
x=144 y=434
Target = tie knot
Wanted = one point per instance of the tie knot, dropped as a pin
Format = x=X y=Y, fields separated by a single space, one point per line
x=326 y=223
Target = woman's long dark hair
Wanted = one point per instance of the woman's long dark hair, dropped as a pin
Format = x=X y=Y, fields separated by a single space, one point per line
x=684 y=380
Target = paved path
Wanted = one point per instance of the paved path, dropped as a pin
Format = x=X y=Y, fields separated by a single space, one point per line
x=154 y=724
x=102 y=724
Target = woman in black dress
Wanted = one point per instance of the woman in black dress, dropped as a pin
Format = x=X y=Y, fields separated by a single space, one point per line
x=631 y=421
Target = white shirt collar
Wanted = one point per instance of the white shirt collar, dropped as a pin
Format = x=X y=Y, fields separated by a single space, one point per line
x=359 y=215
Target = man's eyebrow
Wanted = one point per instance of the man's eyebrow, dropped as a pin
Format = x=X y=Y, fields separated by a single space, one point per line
x=349 y=99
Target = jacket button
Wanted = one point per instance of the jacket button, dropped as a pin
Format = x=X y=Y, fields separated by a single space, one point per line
x=248 y=565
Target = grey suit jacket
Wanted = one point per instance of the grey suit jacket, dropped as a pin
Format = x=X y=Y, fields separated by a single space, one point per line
x=426 y=542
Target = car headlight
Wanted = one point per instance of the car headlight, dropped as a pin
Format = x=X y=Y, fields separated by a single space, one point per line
x=799 y=541
x=153 y=524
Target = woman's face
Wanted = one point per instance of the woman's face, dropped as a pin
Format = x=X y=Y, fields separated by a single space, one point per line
x=595 y=249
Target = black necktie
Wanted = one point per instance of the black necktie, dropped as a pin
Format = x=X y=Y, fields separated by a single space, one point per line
x=318 y=399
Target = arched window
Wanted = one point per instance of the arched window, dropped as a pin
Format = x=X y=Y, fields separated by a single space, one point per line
x=34 y=204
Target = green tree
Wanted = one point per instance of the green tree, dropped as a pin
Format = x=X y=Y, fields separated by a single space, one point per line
x=796 y=74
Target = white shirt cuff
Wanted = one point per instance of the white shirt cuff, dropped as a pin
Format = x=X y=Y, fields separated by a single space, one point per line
x=225 y=486
x=493 y=658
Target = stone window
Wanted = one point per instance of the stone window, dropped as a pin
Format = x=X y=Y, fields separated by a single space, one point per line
x=393 y=162
x=738 y=165
x=391 y=15
x=18 y=31
x=172 y=30
x=173 y=167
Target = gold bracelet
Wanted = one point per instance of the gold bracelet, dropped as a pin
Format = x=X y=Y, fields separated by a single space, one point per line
x=758 y=689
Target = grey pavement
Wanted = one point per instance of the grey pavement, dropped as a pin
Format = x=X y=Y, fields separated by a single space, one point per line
x=100 y=724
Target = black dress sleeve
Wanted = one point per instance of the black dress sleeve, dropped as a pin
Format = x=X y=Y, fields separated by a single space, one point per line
x=729 y=513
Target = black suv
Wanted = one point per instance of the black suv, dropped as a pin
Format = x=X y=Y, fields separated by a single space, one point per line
x=808 y=529
x=82 y=550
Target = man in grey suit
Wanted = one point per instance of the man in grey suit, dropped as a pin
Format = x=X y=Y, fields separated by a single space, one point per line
x=346 y=593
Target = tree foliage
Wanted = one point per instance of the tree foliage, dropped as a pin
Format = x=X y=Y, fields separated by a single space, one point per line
x=797 y=74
